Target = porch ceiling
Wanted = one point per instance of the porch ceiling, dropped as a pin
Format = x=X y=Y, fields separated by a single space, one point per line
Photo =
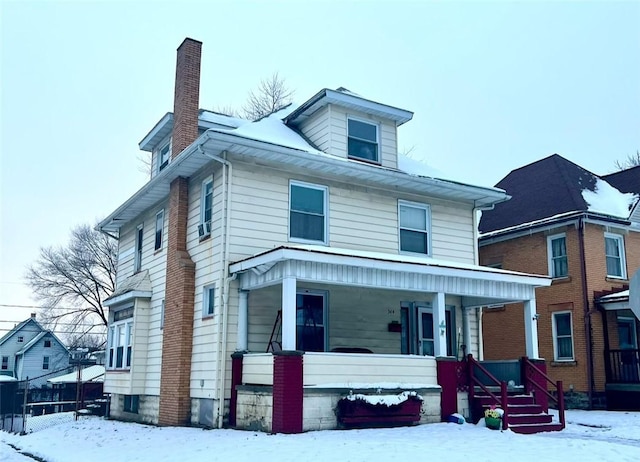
x=479 y=285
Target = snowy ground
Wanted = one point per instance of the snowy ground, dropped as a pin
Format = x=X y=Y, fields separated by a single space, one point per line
x=589 y=436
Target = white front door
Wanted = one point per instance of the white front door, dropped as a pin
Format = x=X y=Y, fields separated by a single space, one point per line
x=425 y=331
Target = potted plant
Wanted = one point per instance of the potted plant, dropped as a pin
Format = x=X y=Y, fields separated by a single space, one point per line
x=493 y=418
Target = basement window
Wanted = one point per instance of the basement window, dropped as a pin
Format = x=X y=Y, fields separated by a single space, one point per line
x=131 y=403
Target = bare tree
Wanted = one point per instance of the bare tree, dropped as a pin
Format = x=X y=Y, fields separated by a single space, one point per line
x=271 y=95
x=632 y=160
x=72 y=281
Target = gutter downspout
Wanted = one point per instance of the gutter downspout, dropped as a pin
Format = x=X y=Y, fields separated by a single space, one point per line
x=587 y=314
x=223 y=281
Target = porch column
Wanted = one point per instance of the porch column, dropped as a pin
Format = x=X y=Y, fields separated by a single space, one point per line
x=466 y=334
x=439 y=325
x=531 y=328
x=289 y=313
x=243 y=316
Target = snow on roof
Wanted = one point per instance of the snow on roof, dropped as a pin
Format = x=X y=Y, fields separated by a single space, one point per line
x=608 y=200
x=88 y=374
x=221 y=119
x=7 y=378
x=615 y=296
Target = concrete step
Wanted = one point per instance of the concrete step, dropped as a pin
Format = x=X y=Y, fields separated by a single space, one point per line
x=529 y=429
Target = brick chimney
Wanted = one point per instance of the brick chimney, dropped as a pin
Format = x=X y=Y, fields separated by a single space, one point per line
x=175 y=401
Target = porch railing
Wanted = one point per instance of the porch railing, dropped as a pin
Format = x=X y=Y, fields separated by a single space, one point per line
x=536 y=380
x=623 y=366
x=474 y=381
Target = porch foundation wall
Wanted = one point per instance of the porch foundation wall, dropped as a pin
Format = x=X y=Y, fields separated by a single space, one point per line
x=254 y=408
x=463 y=405
x=148 y=409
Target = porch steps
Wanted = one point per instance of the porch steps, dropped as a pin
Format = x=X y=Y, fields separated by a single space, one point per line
x=525 y=416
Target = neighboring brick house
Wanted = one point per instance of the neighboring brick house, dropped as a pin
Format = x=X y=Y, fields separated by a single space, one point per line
x=30 y=351
x=301 y=244
x=564 y=221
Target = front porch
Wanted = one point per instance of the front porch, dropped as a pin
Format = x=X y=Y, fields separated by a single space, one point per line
x=318 y=324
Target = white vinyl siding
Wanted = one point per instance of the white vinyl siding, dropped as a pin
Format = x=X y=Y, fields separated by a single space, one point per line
x=615 y=257
x=316 y=129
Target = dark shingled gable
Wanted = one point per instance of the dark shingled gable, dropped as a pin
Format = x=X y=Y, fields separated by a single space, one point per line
x=545 y=188
x=626 y=181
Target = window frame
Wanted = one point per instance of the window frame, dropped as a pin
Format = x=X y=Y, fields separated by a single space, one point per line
x=554 y=327
x=126 y=321
x=622 y=260
x=325 y=316
x=325 y=211
x=427 y=209
x=551 y=258
x=5 y=363
x=139 y=245
x=162 y=315
x=208 y=301
x=159 y=234
x=161 y=165
x=203 y=211
x=46 y=362
x=377 y=161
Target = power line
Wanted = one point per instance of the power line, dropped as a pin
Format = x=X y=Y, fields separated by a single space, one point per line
x=34 y=307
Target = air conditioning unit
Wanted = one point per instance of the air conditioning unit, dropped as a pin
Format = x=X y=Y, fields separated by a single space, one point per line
x=204 y=229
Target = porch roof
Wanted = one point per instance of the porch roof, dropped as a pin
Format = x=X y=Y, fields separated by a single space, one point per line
x=615 y=301
x=480 y=285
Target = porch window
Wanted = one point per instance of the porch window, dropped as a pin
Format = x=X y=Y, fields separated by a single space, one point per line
x=614 y=250
x=45 y=362
x=557 y=252
x=415 y=223
x=121 y=339
x=5 y=363
x=307 y=212
x=563 y=336
x=363 y=140
x=310 y=321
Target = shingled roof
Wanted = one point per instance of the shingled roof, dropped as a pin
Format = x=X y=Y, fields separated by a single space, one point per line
x=542 y=189
x=626 y=181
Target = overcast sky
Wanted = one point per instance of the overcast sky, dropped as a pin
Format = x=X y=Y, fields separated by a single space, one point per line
x=494 y=86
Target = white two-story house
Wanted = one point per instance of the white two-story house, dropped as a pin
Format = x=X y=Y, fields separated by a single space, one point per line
x=270 y=267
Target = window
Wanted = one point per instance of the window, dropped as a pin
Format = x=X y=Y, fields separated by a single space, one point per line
x=557 y=252
x=164 y=154
x=426 y=339
x=208 y=300
x=614 y=250
x=206 y=208
x=5 y=363
x=562 y=336
x=307 y=212
x=310 y=321
x=131 y=403
x=45 y=362
x=47 y=343
x=415 y=222
x=362 y=140
x=159 y=228
x=121 y=339
x=20 y=339
x=137 y=263
x=162 y=316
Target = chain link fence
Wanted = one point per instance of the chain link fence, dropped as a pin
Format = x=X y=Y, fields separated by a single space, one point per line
x=26 y=409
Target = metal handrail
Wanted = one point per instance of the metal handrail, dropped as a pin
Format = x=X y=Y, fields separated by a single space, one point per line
x=558 y=385
x=502 y=400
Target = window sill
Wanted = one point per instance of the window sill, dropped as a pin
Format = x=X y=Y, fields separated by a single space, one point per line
x=205 y=237
x=157 y=251
x=567 y=363
x=366 y=161
x=208 y=317
x=562 y=280
x=298 y=240
x=119 y=371
x=616 y=279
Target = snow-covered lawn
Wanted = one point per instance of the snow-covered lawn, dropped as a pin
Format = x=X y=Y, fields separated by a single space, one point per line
x=589 y=436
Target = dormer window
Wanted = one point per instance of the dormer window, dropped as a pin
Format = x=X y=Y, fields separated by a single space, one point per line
x=163 y=156
x=363 y=140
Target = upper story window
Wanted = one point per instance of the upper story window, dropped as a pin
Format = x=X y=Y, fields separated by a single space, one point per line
x=159 y=228
x=363 y=140
x=208 y=300
x=137 y=261
x=47 y=343
x=45 y=362
x=5 y=363
x=614 y=250
x=415 y=226
x=206 y=208
x=121 y=339
x=307 y=212
x=563 y=336
x=557 y=253
x=20 y=339
x=164 y=154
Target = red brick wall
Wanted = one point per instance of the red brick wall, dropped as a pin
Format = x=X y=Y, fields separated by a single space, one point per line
x=503 y=329
x=288 y=392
